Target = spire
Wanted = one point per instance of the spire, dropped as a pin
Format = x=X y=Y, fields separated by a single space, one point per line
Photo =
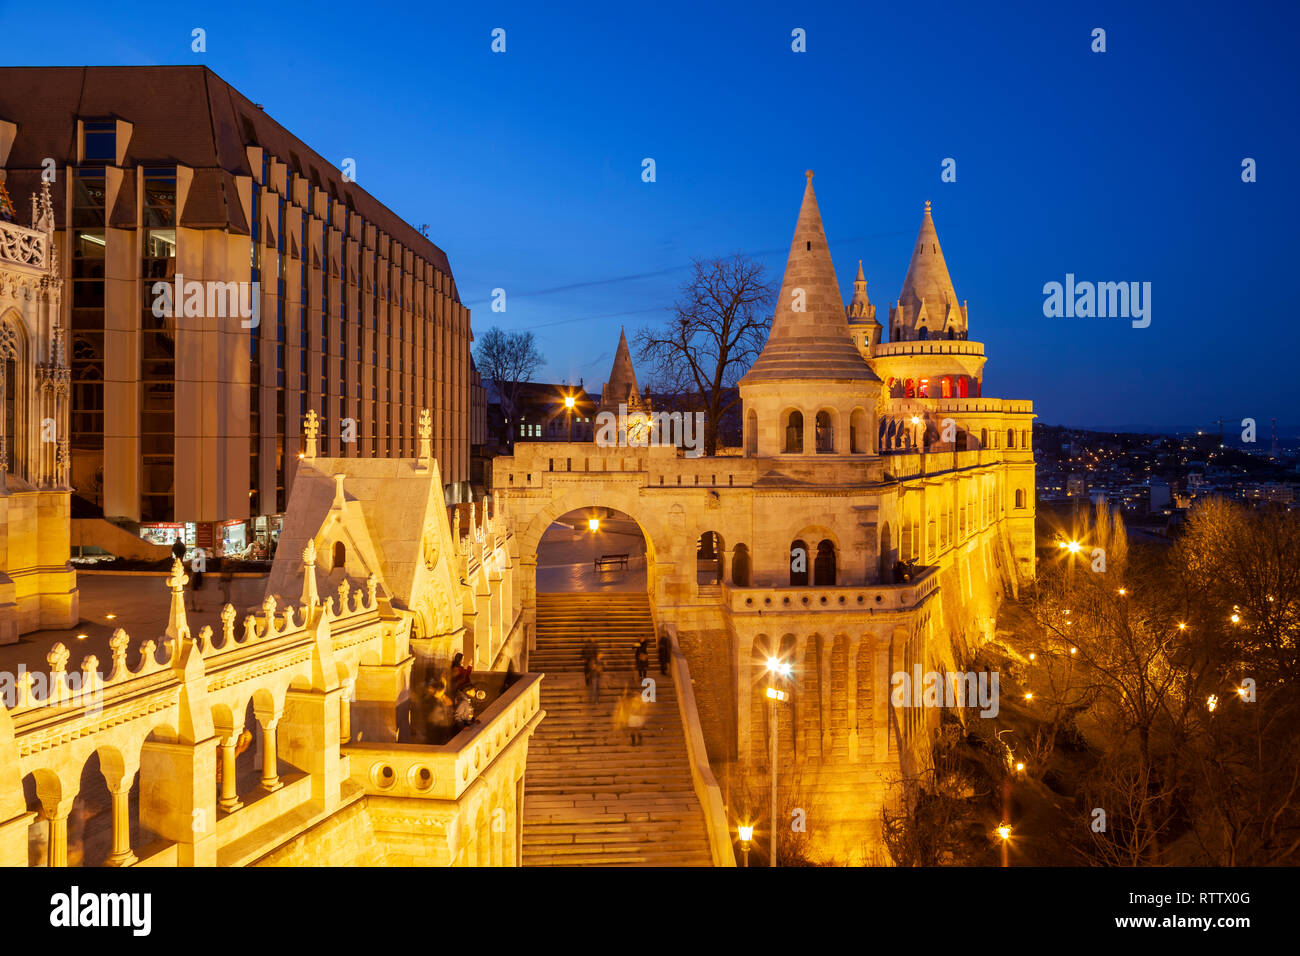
x=810 y=336
x=861 y=311
x=621 y=387
x=927 y=277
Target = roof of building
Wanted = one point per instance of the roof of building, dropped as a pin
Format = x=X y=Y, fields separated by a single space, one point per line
x=812 y=343
x=183 y=115
x=621 y=388
x=927 y=274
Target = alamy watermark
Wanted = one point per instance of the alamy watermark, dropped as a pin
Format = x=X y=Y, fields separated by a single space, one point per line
x=950 y=689
x=198 y=300
x=78 y=689
x=1102 y=300
x=651 y=429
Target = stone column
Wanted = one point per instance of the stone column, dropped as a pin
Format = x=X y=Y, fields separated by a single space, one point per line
x=270 y=779
x=827 y=648
x=121 y=855
x=851 y=691
x=229 y=800
x=345 y=711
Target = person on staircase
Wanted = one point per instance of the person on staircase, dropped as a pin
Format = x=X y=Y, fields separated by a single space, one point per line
x=642 y=659
x=665 y=651
x=589 y=652
x=597 y=668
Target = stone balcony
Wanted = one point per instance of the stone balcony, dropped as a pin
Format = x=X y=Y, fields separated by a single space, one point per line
x=928 y=347
x=875 y=598
x=454 y=803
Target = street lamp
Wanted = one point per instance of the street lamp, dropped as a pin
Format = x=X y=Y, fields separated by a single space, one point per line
x=746 y=831
x=776 y=668
x=593 y=524
x=1004 y=834
x=568 y=406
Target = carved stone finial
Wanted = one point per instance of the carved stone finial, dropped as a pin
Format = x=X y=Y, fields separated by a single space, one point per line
x=425 y=429
x=57 y=658
x=178 y=578
x=309 y=553
x=339 y=499
x=372 y=588
x=310 y=429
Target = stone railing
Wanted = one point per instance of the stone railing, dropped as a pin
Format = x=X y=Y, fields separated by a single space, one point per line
x=928 y=347
x=446 y=771
x=872 y=597
x=22 y=246
x=703 y=781
x=158 y=657
x=662 y=466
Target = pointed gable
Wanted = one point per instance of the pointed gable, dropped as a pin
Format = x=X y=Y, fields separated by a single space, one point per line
x=621 y=387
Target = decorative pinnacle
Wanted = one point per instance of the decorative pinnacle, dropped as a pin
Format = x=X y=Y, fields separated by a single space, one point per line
x=809 y=174
x=927 y=207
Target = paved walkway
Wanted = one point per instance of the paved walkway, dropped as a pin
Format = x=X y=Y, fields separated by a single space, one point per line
x=565 y=558
x=141 y=604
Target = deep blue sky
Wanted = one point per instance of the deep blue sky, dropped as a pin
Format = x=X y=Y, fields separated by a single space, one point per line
x=527 y=165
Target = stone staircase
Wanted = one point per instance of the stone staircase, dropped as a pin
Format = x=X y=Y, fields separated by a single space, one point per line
x=590 y=797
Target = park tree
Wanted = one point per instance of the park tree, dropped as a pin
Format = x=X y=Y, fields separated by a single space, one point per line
x=507 y=359
x=718 y=328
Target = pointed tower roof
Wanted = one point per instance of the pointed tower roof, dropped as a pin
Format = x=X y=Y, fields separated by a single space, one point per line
x=812 y=343
x=621 y=387
x=927 y=274
x=861 y=311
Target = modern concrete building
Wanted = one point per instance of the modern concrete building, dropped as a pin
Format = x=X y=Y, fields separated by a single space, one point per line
x=223 y=280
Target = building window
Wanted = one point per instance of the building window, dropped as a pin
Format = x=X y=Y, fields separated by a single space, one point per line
x=99 y=141
x=794 y=433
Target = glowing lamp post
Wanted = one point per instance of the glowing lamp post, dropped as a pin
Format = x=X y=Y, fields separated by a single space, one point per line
x=775 y=668
x=593 y=524
x=1004 y=834
x=568 y=408
x=746 y=832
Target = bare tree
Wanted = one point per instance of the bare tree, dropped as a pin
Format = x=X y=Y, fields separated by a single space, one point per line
x=507 y=359
x=719 y=326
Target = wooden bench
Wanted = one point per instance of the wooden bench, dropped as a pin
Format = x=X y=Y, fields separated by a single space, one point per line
x=610 y=560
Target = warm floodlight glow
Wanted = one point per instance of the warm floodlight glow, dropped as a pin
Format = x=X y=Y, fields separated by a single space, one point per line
x=1212 y=703
x=1004 y=832
x=1182 y=626
x=1029 y=696
x=1074 y=650
x=775 y=694
x=916 y=420
x=1073 y=547
x=1020 y=767
x=746 y=832
x=111 y=616
x=773 y=664
x=593 y=524
x=82 y=637
x=568 y=401
x=1123 y=592
x=1033 y=656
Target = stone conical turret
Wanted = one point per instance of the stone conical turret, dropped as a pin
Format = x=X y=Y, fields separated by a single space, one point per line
x=928 y=299
x=621 y=387
x=810 y=336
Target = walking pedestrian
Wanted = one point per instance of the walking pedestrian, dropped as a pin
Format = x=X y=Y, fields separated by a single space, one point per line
x=589 y=652
x=178 y=549
x=665 y=651
x=593 y=684
x=642 y=659
x=196 y=585
x=227 y=579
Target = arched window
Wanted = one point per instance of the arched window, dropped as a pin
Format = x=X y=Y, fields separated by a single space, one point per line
x=794 y=433
x=909 y=389
x=922 y=333
x=1024 y=439
x=1020 y=497
x=740 y=567
x=946 y=385
x=824 y=568
x=858 y=432
x=1011 y=438
x=708 y=559
x=340 y=554
x=798 y=563
x=751 y=432
x=15 y=396
x=886 y=572
x=825 y=434
x=962 y=386
x=984 y=438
